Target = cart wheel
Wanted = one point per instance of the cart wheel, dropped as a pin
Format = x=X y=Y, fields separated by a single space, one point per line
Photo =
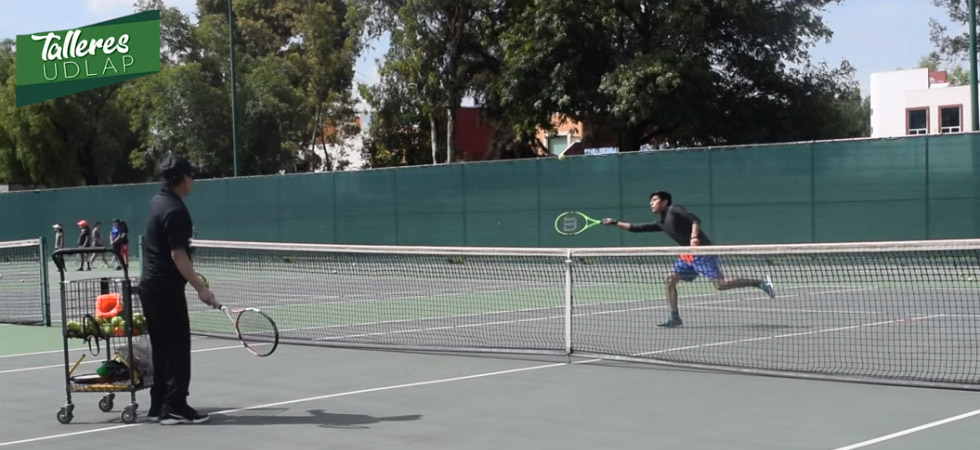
x=64 y=415
x=106 y=403
x=129 y=414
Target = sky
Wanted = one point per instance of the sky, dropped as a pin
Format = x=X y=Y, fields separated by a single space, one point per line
x=874 y=35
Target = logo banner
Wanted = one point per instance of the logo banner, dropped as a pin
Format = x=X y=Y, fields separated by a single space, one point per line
x=54 y=64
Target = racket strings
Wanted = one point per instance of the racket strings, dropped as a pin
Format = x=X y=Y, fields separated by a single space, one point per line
x=256 y=327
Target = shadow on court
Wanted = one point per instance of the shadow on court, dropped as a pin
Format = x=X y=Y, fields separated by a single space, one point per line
x=319 y=417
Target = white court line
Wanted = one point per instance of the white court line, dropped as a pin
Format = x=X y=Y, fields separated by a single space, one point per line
x=193 y=338
x=812 y=311
x=424 y=383
x=910 y=431
x=28 y=369
x=780 y=336
x=41 y=353
x=535 y=319
x=584 y=305
x=491 y=313
x=301 y=400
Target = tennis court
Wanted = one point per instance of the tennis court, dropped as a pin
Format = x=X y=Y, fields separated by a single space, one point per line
x=546 y=348
x=311 y=397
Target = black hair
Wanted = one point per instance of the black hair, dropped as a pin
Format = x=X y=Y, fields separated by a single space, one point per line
x=663 y=195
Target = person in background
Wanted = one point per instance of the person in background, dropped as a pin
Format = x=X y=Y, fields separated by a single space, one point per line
x=117 y=239
x=59 y=236
x=97 y=242
x=84 y=241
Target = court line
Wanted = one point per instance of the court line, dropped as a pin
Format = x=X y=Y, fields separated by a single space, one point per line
x=193 y=338
x=28 y=369
x=41 y=353
x=553 y=317
x=300 y=400
x=583 y=305
x=424 y=383
x=812 y=311
x=780 y=336
x=910 y=431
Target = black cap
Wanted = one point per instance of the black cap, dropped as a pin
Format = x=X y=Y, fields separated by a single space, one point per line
x=174 y=167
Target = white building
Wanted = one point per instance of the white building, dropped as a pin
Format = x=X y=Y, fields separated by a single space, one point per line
x=917 y=101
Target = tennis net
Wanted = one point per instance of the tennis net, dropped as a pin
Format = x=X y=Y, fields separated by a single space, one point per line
x=23 y=283
x=904 y=313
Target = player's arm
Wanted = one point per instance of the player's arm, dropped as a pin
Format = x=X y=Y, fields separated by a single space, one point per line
x=635 y=228
x=178 y=229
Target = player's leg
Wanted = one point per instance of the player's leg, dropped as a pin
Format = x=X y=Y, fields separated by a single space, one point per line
x=682 y=271
x=709 y=267
x=157 y=326
x=176 y=410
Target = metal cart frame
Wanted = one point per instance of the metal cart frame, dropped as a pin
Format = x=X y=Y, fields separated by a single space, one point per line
x=134 y=383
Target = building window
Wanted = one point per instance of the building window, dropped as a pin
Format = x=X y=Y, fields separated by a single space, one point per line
x=557 y=144
x=917 y=121
x=951 y=119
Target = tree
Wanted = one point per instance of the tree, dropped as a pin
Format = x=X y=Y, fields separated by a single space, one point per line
x=437 y=47
x=957 y=76
x=305 y=52
x=684 y=72
x=951 y=48
x=80 y=139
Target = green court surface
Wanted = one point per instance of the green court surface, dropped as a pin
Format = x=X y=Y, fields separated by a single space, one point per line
x=25 y=339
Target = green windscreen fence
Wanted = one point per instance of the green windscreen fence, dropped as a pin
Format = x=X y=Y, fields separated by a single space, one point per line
x=842 y=191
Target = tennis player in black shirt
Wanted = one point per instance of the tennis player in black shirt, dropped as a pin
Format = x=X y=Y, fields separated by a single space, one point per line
x=167 y=270
x=685 y=228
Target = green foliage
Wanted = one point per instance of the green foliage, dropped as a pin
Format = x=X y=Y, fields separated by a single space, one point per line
x=682 y=72
x=294 y=72
x=956 y=76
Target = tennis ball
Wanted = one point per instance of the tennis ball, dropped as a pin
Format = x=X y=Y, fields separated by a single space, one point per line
x=204 y=281
x=561 y=157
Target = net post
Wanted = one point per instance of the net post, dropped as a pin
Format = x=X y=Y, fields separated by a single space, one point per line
x=568 y=302
x=45 y=294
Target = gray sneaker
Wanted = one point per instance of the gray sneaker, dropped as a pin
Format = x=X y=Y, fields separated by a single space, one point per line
x=767 y=287
x=181 y=416
x=674 y=321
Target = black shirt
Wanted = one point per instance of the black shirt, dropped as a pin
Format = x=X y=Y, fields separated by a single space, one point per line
x=677 y=223
x=168 y=227
x=83 y=238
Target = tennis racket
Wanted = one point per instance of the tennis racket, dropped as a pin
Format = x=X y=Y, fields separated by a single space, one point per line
x=257 y=331
x=570 y=223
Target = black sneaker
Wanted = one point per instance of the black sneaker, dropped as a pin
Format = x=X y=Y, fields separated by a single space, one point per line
x=672 y=322
x=154 y=412
x=182 y=416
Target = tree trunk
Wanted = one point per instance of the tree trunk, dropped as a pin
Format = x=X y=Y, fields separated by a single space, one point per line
x=435 y=138
x=461 y=16
x=451 y=133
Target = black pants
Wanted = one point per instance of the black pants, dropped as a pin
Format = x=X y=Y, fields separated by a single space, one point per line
x=170 y=336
